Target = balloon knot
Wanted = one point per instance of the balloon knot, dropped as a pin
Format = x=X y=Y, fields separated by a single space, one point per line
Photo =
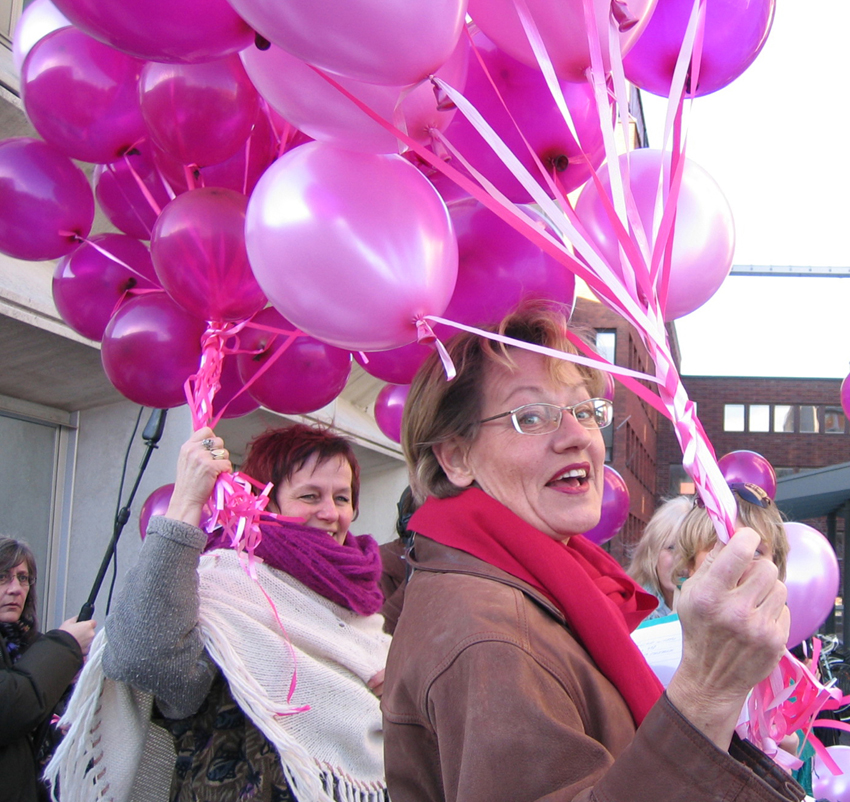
x=622 y=16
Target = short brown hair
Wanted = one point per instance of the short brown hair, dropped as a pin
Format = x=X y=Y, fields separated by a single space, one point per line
x=698 y=534
x=437 y=410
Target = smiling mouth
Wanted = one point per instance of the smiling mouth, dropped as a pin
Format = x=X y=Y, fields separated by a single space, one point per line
x=572 y=479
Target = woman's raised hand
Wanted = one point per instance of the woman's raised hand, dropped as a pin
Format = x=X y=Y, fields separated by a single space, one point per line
x=202 y=458
x=81 y=631
x=735 y=626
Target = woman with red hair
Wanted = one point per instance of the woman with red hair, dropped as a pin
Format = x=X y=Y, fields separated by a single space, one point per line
x=247 y=678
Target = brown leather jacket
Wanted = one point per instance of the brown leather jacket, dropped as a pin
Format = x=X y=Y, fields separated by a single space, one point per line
x=488 y=697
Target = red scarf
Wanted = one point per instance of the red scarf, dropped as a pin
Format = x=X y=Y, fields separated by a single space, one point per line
x=600 y=602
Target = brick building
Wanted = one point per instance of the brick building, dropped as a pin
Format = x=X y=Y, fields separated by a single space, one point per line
x=632 y=440
x=795 y=424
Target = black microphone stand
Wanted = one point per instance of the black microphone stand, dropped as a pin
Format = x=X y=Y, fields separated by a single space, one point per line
x=151 y=435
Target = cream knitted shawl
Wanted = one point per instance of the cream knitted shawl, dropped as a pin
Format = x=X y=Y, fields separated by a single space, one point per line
x=334 y=750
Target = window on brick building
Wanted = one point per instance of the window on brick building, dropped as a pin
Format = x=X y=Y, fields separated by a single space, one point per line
x=733 y=418
x=809 y=423
x=606 y=344
x=834 y=421
x=759 y=418
x=783 y=418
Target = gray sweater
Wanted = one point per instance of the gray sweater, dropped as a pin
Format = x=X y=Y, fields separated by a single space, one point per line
x=154 y=642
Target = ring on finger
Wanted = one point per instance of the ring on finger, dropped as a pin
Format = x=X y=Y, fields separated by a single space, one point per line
x=218 y=453
x=208 y=443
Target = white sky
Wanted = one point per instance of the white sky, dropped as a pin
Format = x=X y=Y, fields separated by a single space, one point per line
x=776 y=140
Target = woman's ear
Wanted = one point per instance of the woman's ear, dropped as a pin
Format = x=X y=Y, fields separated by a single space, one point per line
x=452 y=456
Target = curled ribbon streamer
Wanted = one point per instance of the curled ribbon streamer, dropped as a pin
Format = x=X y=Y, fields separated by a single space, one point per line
x=425 y=335
x=787 y=701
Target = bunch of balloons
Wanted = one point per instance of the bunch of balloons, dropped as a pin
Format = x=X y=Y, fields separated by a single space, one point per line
x=199 y=114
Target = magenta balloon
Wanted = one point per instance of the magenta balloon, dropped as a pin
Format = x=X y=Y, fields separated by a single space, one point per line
x=234 y=406
x=198 y=249
x=704 y=239
x=83 y=96
x=46 y=203
x=118 y=191
x=307 y=376
x=735 y=32
x=368 y=245
x=811 y=578
x=240 y=172
x=397 y=366
x=40 y=18
x=831 y=787
x=321 y=111
x=155 y=504
x=561 y=25
x=615 y=508
x=535 y=114
x=845 y=395
x=182 y=31
x=88 y=285
x=392 y=42
x=150 y=347
x=199 y=113
x=748 y=466
x=498 y=267
x=389 y=408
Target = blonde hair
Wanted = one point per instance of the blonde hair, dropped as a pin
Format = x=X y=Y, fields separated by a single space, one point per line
x=698 y=534
x=438 y=411
x=666 y=520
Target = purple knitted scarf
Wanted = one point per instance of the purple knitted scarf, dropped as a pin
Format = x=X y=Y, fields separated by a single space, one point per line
x=346 y=574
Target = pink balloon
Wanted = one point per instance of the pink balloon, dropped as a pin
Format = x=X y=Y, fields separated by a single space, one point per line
x=748 y=466
x=498 y=267
x=157 y=504
x=199 y=113
x=83 y=96
x=829 y=786
x=811 y=579
x=88 y=286
x=368 y=245
x=529 y=101
x=307 y=376
x=183 y=31
x=704 y=237
x=198 y=249
x=615 y=508
x=321 y=111
x=118 y=188
x=389 y=408
x=735 y=33
x=397 y=366
x=46 y=204
x=234 y=406
x=150 y=347
x=40 y=18
x=561 y=25
x=845 y=395
x=240 y=172
x=392 y=42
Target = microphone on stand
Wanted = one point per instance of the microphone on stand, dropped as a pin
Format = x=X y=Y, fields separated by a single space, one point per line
x=151 y=434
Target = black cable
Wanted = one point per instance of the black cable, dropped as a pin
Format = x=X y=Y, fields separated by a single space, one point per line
x=118 y=505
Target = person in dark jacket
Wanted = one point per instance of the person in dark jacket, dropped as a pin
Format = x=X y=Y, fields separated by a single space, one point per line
x=35 y=671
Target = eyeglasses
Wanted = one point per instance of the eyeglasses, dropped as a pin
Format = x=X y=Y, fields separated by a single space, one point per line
x=26 y=580
x=595 y=413
x=746 y=491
